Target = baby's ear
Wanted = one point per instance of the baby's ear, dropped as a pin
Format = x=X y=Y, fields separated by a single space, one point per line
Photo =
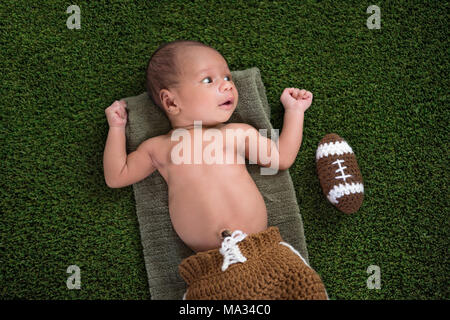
x=168 y=101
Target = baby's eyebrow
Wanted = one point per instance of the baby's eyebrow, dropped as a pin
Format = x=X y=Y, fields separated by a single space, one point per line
x=203 y=70
x=206 y=70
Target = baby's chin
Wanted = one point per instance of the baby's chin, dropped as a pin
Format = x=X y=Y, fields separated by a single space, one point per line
x=216 y=121
x=213 y=123
x=216 y=117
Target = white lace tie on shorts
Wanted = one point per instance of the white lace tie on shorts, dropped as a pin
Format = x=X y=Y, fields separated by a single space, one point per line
x=230 y=250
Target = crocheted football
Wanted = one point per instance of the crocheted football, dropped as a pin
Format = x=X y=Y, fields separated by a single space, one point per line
x=339 y=174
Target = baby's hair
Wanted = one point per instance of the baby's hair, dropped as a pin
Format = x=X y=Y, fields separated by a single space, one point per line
x=163 y=70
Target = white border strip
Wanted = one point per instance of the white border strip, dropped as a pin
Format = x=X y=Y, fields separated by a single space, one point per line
x=341 y=190
x=294 y=251
x=339 y=148
x=304 y=261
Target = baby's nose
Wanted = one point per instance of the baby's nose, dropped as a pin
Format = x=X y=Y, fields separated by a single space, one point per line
x=225 y=85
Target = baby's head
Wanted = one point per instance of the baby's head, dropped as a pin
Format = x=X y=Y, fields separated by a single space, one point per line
x=191 y=81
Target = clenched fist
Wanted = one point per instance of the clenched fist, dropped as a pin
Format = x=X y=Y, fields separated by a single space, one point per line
x=293 y=98
x=116 y=114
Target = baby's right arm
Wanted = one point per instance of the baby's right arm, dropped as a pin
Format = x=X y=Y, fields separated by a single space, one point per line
x=121 y=170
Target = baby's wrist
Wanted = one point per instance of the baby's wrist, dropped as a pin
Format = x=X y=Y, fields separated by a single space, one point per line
x=117 y=128
x=294 y=110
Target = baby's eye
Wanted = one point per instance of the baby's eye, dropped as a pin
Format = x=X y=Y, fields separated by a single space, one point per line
x=227 y=78
x=207 y=78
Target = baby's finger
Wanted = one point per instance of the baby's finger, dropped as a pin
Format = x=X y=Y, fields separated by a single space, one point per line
x=123 y=112
x=123 y=103
x=119 y=104
x=287 y=91
x=121 y=109
x=118 y=110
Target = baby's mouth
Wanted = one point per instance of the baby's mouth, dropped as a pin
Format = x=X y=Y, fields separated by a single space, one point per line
x=227 y=103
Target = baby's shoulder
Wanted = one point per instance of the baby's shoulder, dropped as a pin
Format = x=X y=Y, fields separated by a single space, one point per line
x=241 y=129
x=154 y=144
x=238 y=125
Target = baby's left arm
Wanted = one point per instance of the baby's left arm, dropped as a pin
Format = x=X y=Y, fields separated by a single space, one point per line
x=264 y=151
x=295 y=102
x=254 y=146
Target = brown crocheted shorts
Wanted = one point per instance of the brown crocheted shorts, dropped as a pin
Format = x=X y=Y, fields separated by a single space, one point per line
x=263 y=267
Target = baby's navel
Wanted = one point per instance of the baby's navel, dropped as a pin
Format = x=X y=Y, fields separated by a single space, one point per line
x=225 y=233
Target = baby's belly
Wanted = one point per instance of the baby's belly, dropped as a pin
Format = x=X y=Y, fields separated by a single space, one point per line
x=205 y=201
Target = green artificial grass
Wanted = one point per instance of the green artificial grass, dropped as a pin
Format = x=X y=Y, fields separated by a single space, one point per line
x=385 y=91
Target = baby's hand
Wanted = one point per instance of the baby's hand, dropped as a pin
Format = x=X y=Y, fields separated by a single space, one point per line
x=293 y=98
x=116 y=114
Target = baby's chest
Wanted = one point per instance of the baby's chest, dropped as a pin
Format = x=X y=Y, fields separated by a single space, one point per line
x=211 y=147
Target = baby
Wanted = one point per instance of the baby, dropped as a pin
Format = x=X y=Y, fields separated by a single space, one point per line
x=211 y=205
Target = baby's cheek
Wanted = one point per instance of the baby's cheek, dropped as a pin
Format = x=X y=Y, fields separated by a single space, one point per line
x=236 y=93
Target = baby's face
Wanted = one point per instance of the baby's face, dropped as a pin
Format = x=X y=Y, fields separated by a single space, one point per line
x=206 y=91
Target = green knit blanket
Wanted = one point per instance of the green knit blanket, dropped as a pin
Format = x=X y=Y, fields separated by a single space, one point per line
x=163 y=249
